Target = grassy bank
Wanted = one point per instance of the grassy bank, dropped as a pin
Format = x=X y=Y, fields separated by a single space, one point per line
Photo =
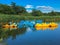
x=17 y=18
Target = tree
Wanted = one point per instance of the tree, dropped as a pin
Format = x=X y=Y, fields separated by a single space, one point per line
x=20 y=10
x=5 y=9
x=12 y=9
x=36 y=12
x=17 y=9
x=58 y=13
x=13 y=6
x=52 y=13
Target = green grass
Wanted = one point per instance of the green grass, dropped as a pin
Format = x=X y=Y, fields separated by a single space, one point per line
x=17 y=18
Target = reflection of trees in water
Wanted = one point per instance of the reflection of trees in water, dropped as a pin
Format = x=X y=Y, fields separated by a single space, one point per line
x=3 y=42
x=11 y=33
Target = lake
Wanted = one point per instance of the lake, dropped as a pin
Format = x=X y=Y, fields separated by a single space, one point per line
x=31 y=37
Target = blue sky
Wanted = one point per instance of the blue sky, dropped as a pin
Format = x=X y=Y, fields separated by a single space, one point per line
x=43 y=5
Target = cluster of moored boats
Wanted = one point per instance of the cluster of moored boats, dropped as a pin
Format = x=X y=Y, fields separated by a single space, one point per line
x=37 y=25
x=45 y=26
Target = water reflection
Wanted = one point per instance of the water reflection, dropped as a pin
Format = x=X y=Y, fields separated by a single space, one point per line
x=4 y=34
x=24 y=28
x=14 y=29
x=46 y=37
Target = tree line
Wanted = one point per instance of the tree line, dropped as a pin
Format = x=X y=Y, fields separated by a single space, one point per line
x=20 y=10
x=11 y=9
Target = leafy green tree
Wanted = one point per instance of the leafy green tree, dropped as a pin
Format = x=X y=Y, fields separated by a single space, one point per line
x=12 y=9
x=13 y=6
x=58 y=13
x=52 y=13
x=20 y=10
x=17 y=9
x=5 y=9
x=36 y=12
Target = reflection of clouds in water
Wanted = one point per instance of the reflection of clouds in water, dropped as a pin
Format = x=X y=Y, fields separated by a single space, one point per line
x=28 y=29
x=33 y=22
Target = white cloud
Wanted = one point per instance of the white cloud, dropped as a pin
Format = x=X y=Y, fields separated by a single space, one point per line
x=29 y=6
x=44 y=7
x=29 y=11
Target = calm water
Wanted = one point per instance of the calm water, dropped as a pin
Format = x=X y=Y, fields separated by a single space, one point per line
x=30 y=37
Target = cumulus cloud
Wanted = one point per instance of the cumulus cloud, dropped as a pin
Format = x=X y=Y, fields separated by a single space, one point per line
x=44 y=7
x=29 y=11
x=29 y=6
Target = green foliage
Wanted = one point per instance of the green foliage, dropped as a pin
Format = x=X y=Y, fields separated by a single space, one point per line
x=16 y=18
x=20 y=10
x=12 y=9
x=36 y=12
x=52 y=13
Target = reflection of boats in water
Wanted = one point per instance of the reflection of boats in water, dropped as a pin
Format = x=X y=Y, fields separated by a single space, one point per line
x=52 y=28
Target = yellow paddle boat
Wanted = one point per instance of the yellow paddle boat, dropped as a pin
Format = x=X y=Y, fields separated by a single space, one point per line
x=6 y=26
x=44 y=26
x=38 y=26
x=53 y=24
x=12 y=26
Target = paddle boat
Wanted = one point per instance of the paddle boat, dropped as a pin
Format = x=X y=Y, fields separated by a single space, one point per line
x=10 y=26
x=45 y=26
x=28 y=23
x=6 y=26
x=38 y=26
x=52 y=26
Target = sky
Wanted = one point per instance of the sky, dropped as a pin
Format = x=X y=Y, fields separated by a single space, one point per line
x=43 y=5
